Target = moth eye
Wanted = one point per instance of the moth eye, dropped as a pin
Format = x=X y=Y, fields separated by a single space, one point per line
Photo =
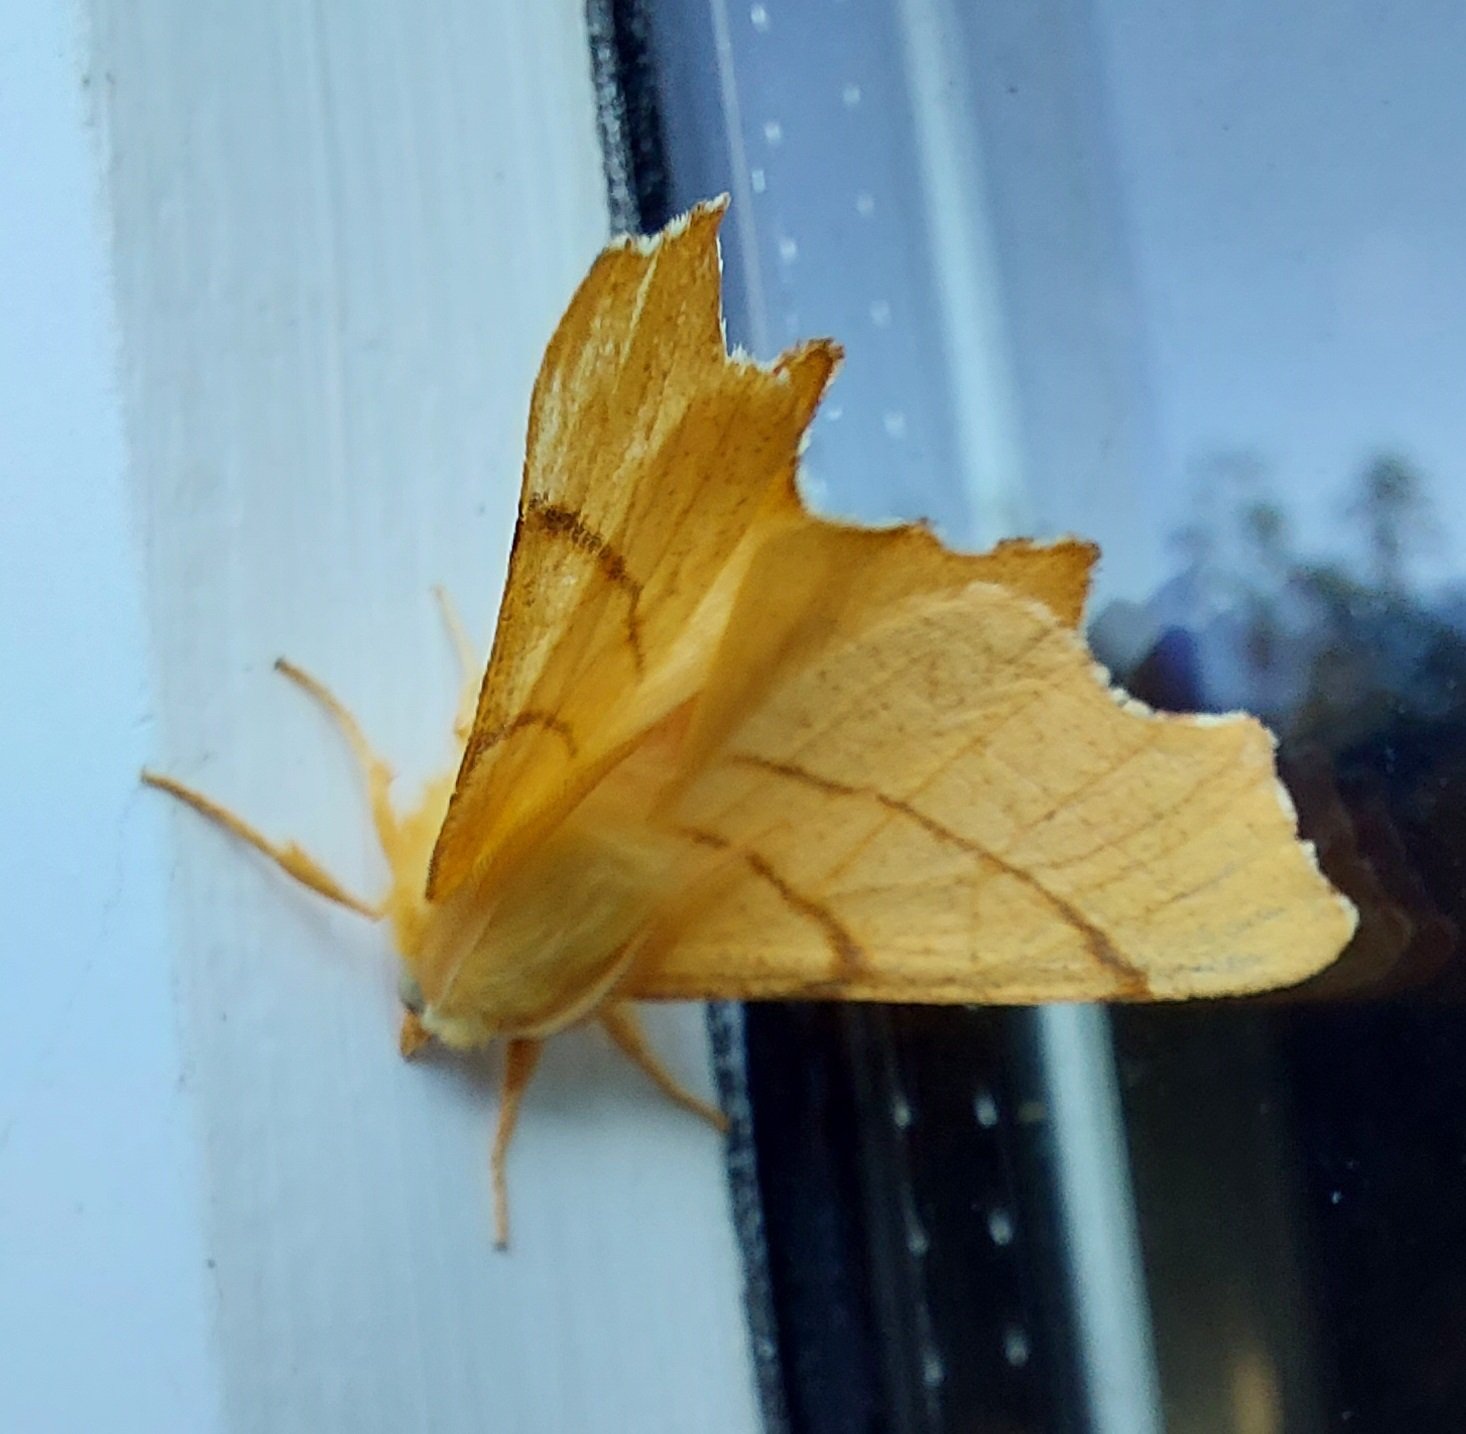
x=410 y=993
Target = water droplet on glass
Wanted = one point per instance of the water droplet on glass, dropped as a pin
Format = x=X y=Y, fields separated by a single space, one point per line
x=880 y=313
x=894 y=423
x=850 y=95
x=759 y=180
x=788 y=249
x=985 y=1108
x=834 y=413
x=759 y=14
x=865 y=204
x=933 y=1371
x=1015 y=1346
x=918 y=1242
x=901 y=1111
x=773 y=133
x=1000 y=1226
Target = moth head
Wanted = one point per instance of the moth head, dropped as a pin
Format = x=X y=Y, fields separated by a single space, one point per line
x=412 y=1036
x=421 y=1024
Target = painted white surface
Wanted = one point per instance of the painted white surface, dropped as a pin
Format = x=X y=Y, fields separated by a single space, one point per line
x=339 y=237
x=105 y=1295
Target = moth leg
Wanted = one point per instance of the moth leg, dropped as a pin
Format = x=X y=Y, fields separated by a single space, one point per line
x=375 y=772
x=624 y=1028
x=469 y=663
x=289 y=857
x=520 y=1059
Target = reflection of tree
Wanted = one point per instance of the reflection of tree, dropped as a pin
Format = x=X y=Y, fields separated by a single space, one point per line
x=1225 y=484
x=1362 y=679
x=1345 y=691
x=1395 y=512
x=1264 y=526
x=1379 y=658
x=1321 y=650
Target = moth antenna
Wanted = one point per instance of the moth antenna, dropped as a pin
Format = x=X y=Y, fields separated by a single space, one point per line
x=376 y=772
x=520 y=1059
x=468 y=663
x=288 y=856
x=624 y=1027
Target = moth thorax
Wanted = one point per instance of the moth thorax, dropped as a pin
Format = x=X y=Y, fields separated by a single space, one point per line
x=529 y=949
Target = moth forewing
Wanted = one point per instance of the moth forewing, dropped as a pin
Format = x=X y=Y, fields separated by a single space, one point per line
x=947 y=801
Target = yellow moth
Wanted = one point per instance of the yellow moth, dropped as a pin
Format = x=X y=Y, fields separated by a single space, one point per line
x=726 y=749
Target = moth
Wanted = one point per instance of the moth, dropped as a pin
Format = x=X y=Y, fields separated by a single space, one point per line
x=725 y=748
